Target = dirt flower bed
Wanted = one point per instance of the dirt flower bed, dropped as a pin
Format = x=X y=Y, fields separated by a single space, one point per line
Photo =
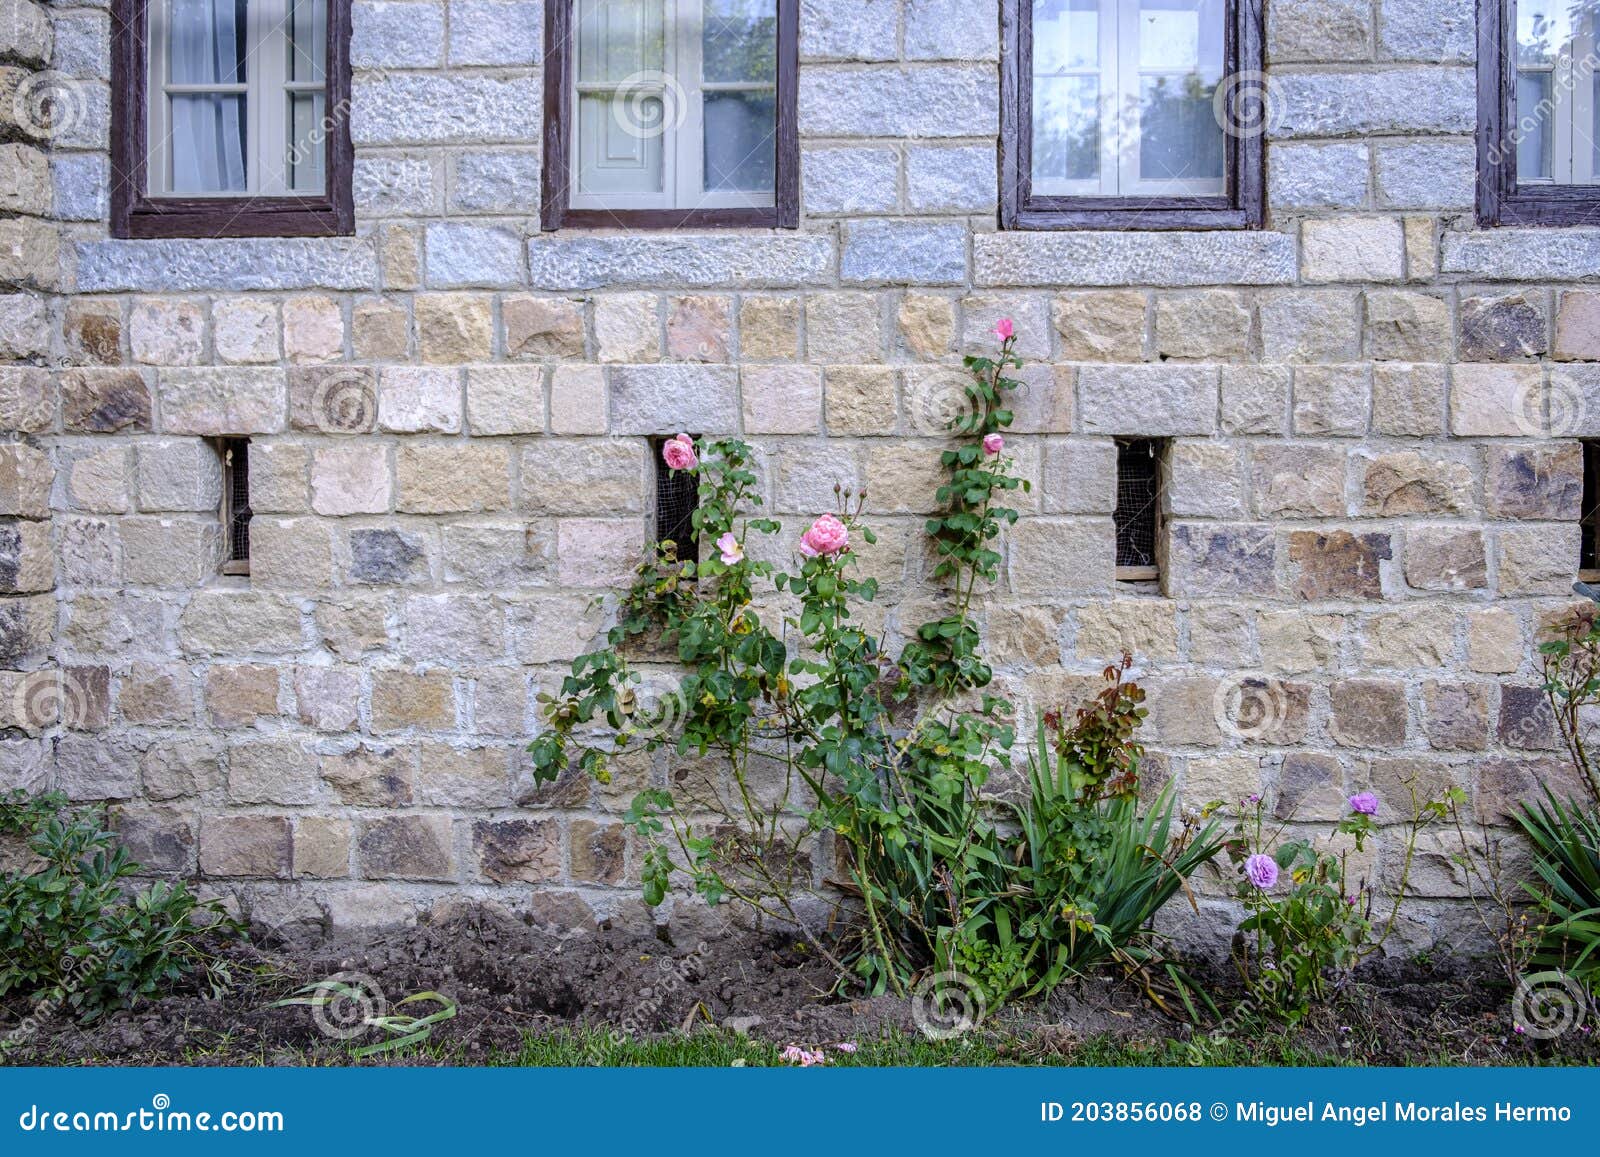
x=511 y=981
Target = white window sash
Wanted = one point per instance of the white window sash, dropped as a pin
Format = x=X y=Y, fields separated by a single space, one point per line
x=683 y=138
x=266 y=90
x=1120 y=78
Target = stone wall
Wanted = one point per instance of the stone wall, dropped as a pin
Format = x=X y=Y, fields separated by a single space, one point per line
x=1373 y=498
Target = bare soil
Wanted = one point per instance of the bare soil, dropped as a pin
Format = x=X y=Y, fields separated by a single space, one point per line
x=510 y=979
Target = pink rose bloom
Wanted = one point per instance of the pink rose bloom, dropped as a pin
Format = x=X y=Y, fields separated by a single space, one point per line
x=679 y=453
x=993 y=443
x=827 y=536
x=1262 y=870
x=796 y=1055
x=1364 y=803
x=732 y=552
x=1004 y=329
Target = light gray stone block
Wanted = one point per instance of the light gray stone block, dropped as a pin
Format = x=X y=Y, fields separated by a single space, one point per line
x=461 y=256
x=673 y=260
x=1158 y=259
x=1392 y=100
x=928 y=101
x=235 y=263
x=903 y=252
x=396 y=34
x=672 y=399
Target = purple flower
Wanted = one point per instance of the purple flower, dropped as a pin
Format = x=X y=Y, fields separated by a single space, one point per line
x=1364 y=803
x=1262 y=870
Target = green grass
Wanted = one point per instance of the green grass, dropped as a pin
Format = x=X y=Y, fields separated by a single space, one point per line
x=719 y=1050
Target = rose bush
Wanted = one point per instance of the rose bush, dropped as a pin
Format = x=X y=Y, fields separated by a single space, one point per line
x=799 y=737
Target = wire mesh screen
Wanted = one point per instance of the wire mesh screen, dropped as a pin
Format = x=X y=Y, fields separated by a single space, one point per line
x=677 y=497
x=1138 y=502
x=1589 y=554
x=238 y=483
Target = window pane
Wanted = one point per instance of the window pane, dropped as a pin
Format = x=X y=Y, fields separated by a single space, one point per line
x=308 y=28
x=619 y=143
x=625 y=104
x=1544 y=32
x=1066 y=35
x=1066 y=130
x=740 y=41
x=619 y=39
x=308 y=142
x=1179 y=60
x=741 y=141
x=1179 y=138
x=208 y=144
x=1534 y=128
x=1554 y=132
x=206 y=42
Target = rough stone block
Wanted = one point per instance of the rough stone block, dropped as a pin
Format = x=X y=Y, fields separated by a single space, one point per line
x=505 y=400
x=246 y=845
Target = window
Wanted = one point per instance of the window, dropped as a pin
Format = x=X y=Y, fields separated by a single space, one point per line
x=236 y=505
x=677 y=498
x=1138 y=510
x=1538 y=160
x=231 y=118
x=1589 y=550
x=671 y=113
x=1132 y=114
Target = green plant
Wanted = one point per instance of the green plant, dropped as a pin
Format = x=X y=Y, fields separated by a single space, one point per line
x=72 y=934
x=404 y=1029
x=1296 y=943
x=1569 y=660
x=1086 y=872
x=1566 y=845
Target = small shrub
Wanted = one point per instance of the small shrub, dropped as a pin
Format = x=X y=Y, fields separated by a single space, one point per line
x=72 y=933
x=1086 y=872
x=1309 y=924
x=1566 y=844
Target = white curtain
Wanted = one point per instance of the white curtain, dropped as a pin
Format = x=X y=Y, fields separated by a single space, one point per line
x=208 y=146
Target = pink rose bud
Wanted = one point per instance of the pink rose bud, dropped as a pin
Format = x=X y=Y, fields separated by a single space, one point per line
x=993 y=443
x=827 y=537
x=1004 y=330
x=679 y=454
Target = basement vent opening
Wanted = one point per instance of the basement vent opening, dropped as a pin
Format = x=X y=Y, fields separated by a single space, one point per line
x=677 y=498
x=1138 y=509
x=236 y=505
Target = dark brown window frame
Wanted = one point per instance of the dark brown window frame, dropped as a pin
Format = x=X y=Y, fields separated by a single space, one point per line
x=1244 y=205
x=134 y=213
x=1500 y=200
x=555 y=212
